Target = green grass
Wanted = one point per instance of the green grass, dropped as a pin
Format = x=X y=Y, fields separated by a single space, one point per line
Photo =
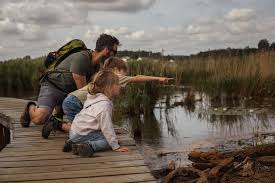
x=250 y=75
x=20 y=75
x=238 y=76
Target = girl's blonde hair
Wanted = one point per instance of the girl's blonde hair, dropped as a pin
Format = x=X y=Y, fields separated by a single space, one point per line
x=115 y=62
x=102 y=81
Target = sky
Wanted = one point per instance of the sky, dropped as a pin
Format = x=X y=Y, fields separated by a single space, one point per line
x=179 y=27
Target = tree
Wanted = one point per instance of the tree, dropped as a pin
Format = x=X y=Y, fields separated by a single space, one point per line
x=27 y=57
x=263 y=44
x=272 y=46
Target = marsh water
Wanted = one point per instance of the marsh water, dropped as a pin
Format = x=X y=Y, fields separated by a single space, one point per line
x=187 y=120
x=184 y=121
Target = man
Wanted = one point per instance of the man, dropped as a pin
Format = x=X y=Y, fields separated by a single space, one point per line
x=72 y=73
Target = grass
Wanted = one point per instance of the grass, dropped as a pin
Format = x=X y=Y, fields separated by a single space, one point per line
x=20 y=75
x=250 y=75
x=238 y=76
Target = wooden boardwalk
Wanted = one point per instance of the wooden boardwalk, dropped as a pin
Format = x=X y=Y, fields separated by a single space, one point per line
x=30 y=158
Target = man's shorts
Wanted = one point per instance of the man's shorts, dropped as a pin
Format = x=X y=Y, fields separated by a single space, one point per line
x=49 y=97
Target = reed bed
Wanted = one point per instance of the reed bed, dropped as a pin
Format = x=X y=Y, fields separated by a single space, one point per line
x=238 y=76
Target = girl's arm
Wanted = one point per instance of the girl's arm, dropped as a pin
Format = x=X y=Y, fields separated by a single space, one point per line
x=143 y=78
x=105 y=120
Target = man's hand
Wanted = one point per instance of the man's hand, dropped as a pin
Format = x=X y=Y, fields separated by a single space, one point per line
x=122 y=149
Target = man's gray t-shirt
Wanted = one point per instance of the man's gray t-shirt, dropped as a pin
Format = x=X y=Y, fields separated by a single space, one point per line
x=78 y=63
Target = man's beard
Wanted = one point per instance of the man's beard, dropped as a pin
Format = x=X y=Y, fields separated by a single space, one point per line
x=104 y=58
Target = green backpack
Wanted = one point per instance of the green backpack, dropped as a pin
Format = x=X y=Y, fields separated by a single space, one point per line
x=55 y=58
x=61 y=79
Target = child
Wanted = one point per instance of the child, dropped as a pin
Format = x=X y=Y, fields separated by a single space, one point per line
x=73 y=103
x=92 y=128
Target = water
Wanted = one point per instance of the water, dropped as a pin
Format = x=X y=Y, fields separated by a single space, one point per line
x=179 y=125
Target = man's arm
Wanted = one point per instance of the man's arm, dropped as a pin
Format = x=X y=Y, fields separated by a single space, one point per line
x=80 y=81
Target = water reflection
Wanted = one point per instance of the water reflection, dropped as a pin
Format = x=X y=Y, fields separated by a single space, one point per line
x=183 y=120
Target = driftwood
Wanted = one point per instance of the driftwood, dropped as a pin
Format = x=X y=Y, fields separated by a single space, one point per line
x=212 y=166
x=197 y=156
x=183 y=174
x=267 y=160
x=225 y=164
x=247 y=169
x=158 y=173
x=203 y=166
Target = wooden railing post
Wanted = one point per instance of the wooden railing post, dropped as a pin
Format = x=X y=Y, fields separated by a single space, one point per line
x=5 y=127
x=2 y=137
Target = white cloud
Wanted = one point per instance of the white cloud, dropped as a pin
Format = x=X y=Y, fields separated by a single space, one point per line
x=129 y=6
x=36 y=27
x=136 y=35
x=194 y=29
x=244 y=14
x=171 y=29
x=45 y=13
x=117 y=31
x=9 y=28
x=240 y=27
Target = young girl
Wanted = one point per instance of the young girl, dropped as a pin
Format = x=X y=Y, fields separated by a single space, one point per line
x=92 y=129
x=73 y=103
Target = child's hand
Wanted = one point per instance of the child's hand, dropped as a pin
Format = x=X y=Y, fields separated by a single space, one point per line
x=165 y=80
x=122 y=149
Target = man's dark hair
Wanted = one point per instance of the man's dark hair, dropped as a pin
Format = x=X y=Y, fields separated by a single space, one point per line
x=106 y=40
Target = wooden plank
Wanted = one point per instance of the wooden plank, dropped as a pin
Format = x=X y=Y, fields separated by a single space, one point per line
x=75 y=174
x=15 y=149
x=61 y=168
x=144 y=177
x=61 y=156
x=69 y=161
x=29 y=157
x=39 y=152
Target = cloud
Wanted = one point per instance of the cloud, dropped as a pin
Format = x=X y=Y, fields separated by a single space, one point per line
x=241 y=27
x=117 y=31
x=129 y=6
x=238 y=21
x=65 y=13
x=9 y=28
x=136 y=35
x=43 y=13
x=208 y=3
x=180 y=27
x=244 y=14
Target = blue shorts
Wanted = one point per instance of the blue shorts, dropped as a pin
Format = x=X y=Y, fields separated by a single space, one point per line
x=71 y=106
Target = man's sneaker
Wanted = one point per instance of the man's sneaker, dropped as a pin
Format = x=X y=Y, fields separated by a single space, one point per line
x=85 y=150
x=58 y=112
x=67 y=147
x=50 y=125
x=25 y=119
